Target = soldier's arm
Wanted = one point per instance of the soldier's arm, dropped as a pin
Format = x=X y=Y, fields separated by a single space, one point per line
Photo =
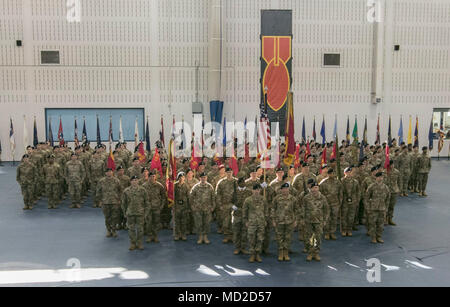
x=98 y=192
x=18 y=174
x=124 y=204
x=163 y=196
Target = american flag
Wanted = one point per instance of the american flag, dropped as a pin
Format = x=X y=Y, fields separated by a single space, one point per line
x=264 y=142
x=77 y=142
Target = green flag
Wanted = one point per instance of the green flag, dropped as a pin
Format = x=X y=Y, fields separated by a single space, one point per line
x=355 y=130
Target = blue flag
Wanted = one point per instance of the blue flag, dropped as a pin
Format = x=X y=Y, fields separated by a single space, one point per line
x=147 y=138
x=224 y=141
x=322 y=131
x=50 y=132
x=400 y=131
x=303 y=131
x=99 y=140
x=430 y=135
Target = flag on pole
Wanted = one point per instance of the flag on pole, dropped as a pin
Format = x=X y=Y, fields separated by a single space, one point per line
x=136 y=133
x=377 y=139
x=386 y=158
x=334 y=152
x=99 y=139
x=297 y=156
x=308 y=151
x=120 y=130
x=324 y=159
x=441 y=140
x=416 y=133
x=84 y=133
x=224 y=132
x=338 y=159
x=50 y=132
x=195 y=159
x=77 y=142
x=246 y=147
x=172 y=175
x=141 y=153
x=361 y=152
x=35 y=134
x=389 y=133
x=12 y=140
x=365 y=132
x=25 y=134
x=111 y=164
x=289 y=138
x=110 y=133
x=410 y=131
x=60 y=133
x=322 y=130
x=355 y=130
x=183 y=136
x=161 y=133
x=430 y=135
x=233 y=164
x=147 y=138
x=314 y=129
x=156 y=162
x=400 y=131
x=335 y=126
x=347 y=135
x=303 y=130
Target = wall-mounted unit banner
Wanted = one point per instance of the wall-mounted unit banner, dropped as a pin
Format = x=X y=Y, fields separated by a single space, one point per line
x=276 y=62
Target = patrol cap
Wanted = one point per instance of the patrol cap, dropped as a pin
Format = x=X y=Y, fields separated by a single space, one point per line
x=285 y=185
x=180 y=174
x=120 y=167
x=379 y=174
x=256 y=186
x=203 y=174
x=347 y=169
x=331 y=170
x=134 y=178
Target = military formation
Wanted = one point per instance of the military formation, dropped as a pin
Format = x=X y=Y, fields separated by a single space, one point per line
x=251 y=207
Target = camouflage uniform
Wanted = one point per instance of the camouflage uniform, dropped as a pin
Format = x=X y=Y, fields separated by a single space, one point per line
x=25 y=176
x=239 y=228
x=315 y=210
x=37 y=159
x=254 y=214
x=413 y=182
x=393 y=181
x=332 y=189
x=283 y=215
x=52 y=175
x=108 y=193
x=405 y=171
x=124 y=183
x=376 y=201
x=157 y=199
x=225 y=198
x=190 y=222
x=181 y=205
x=75 y=174
x=135 y=205
x=202 y=205
x=350 y=203
x=134 y=171
x=423 y=168
x=97 y=171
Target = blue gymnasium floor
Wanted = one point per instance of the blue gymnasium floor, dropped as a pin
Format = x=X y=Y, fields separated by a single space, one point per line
x=36 y=246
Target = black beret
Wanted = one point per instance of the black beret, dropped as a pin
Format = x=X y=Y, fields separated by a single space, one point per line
x=324 y=166
x=314 y=184
x=424 y=148
x=379 y=174
x=331 y=170
x=280 y=169
x=203 y=174
x=180 y=174
x=108 y=169
x=256 y=186
x=229 y=169
x=310 y=181
x=285 y=185
x=145 y=169
x=25 y=156
x=120 y=167
x=332 y=160
x=134 y=178
x=348 y=169
x=304 y=164
x=391 y=162
x=135 y=159
x=374 y=168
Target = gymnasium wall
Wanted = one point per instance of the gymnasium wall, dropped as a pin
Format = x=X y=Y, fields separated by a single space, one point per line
x=143 y=53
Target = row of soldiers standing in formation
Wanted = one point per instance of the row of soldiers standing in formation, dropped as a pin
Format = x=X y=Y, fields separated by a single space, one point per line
x=247 y=207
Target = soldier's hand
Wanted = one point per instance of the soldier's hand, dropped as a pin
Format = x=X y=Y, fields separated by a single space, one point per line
x=246 y=224
x=274 y=224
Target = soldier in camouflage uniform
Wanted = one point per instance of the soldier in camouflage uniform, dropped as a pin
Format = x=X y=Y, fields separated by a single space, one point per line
x=135 y=170
x=283 y=216
x=181 y=205
x=250 y=182
x=25 y=176
x=423 y=168
x=225 y=199
x=300 y=179
x=135 y=204
x=405 y=170
x=255 y=213
x=202 y=201
x=376 y=201
x=332 y=189
x=239 y=228
x=97 y=169
x=301 y=212
x=124 y=183
x=315 y=211
x=393 y=181
x=108 y=194
x=190 y=181
x=414 y=171
x=74 y=174
x=52 y=174
x=157 y=199
x=350 y=203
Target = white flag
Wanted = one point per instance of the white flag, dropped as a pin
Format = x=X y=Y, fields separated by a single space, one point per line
x=136 y=133
x=25 y=134
x=120 y=131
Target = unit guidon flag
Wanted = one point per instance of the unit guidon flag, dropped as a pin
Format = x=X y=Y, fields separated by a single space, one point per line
x=276 y=62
